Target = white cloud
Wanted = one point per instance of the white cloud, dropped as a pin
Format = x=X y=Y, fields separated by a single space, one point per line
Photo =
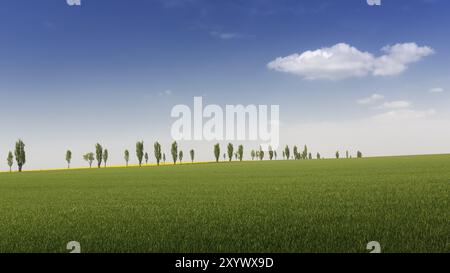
x=397 y=57
x=166 y=92
x=73 y=2
x=399 y=104
x=370 y=100
x=343 y=61
x=225 y=35
x=405 y=114
x=436 y=90
x=401 y=110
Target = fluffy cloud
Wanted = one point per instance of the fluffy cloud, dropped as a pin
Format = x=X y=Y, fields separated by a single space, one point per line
x=397 y=58
x=344 y=61
x=370 y=100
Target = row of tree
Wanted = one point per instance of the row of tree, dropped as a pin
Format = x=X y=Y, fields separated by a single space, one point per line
x=19 y=155
x=101 y=155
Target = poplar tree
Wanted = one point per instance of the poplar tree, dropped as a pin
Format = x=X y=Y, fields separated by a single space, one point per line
x=68 y=158
x=287 y=152
x=261 y=153
x=127 y=156
x=270 y=153
x=192 y=154
x=180 y=156
x=174 y=152
x=240 y=152
x=19 y=152
x=105 y=157
x=10 y=160
x=99 y=154
x=140 y=151
x=157 y=152
x=217 y=152
x=230 y=149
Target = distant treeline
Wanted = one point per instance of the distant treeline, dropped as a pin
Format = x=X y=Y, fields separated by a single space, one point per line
x=101 y=155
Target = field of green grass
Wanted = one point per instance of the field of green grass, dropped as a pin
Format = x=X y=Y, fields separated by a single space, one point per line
x=279 y=206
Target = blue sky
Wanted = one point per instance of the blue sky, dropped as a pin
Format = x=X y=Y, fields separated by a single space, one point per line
x=74 y=75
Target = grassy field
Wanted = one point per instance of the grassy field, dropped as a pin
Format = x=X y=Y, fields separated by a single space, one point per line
x=282 y=206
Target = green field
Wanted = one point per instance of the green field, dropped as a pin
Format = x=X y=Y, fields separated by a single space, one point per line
x=279 y=206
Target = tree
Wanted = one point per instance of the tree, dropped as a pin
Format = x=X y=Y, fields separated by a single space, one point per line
x=89 y=157
x=10 y=160
x=270 y=152
x=275 y=154
x=287 y=152
x=359 y=154
x=240 y=152
x=180 y=156
x=337 y=154
x=140 y=151
x=230 y=149
x=99 y=154
x=284 y=154
x=217 y=152
x=127 y=156
x=174 y=151
x=68 y=158
x=253 y=154
x=261 y=153
x=157 y=148
x=296 y=154
x=309 y=156
x=146 y=158
x=20 y=154
x=105 y=156
x=318 y=156
x=192 y=154
x=305 y=152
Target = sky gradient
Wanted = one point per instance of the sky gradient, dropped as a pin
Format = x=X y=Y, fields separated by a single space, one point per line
x=111 y=71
